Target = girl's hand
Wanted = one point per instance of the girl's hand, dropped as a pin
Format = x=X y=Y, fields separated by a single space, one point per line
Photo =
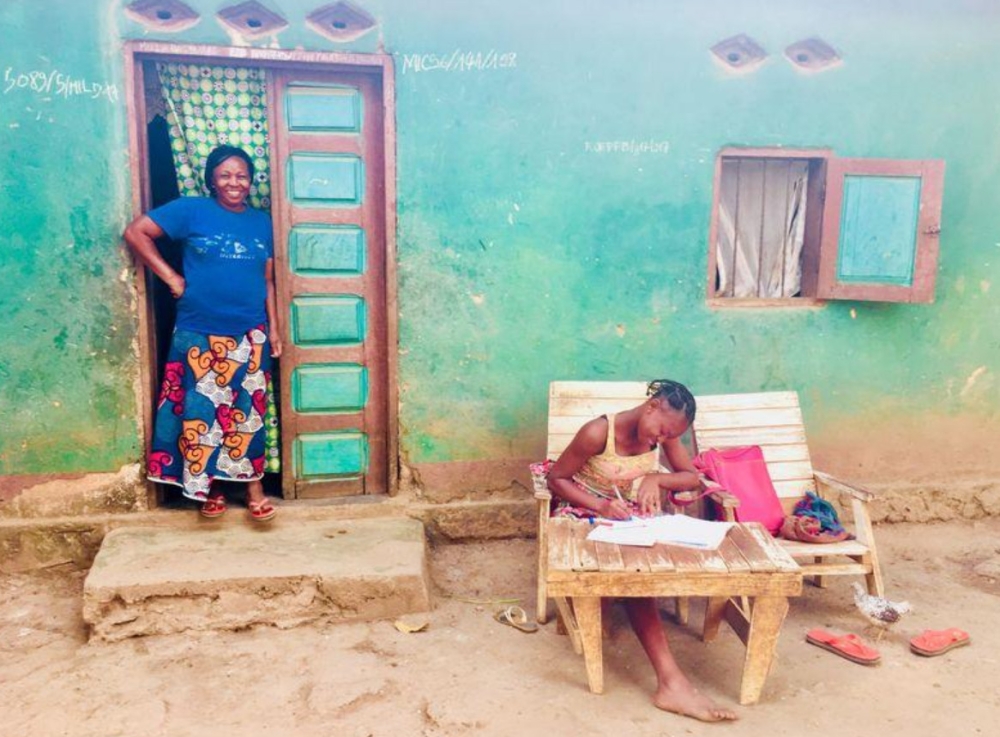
x=176 y=284
x=649 y=498
x=613 y=509
x=276 y=345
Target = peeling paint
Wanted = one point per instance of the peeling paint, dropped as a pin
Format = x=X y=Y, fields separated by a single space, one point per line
x=971 y=381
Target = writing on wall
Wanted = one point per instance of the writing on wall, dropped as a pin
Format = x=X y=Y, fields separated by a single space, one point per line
x=459 y=61
x=629 y=146
x=56 y=83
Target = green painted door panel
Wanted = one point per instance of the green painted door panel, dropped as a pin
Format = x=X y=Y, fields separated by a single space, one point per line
x=327 y=320
x=326 y=250
x=331 y=454
x=329 y=388
x=323 y=108
x=325 y=179
x=878 y=229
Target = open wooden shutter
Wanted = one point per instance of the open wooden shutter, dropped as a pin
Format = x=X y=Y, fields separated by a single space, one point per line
x=881 y=223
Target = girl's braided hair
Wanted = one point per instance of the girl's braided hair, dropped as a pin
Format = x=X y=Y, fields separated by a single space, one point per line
x=676 y=395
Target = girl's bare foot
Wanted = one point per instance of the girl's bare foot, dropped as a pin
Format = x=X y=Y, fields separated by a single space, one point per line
x=686 y=700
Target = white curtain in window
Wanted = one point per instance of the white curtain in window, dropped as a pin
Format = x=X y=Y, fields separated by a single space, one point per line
x=761 y=222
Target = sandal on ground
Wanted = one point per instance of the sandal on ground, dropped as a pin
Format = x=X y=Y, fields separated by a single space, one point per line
x=214 y=506
x=937 y=642
x=261 y=511
x=515 y=617
x=848 y=646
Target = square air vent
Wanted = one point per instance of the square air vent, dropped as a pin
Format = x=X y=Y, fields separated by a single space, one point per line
x=341 y=21
x=739 y=53
x=164 y=15
x=251 y=19
x=812 y=55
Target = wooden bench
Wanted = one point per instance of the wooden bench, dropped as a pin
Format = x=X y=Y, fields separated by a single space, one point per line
x=772 y=420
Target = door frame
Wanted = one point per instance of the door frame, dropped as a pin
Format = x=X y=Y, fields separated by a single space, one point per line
x=137 y=52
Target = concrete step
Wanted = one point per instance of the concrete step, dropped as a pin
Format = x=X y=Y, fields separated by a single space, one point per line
x=149 y=580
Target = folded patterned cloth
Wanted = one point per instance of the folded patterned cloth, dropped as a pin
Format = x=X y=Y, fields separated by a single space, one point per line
x=814 y=520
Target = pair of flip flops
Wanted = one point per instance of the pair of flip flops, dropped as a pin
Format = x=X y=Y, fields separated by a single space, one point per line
x=929 y=643
x=215 y=506
x=515 y=616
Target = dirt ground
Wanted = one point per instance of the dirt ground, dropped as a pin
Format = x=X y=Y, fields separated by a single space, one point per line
x=467 y=674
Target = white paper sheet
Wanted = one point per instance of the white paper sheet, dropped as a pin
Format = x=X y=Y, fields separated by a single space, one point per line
x=669 y=529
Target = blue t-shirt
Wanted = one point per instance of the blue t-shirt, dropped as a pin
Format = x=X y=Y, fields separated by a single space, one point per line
x=224 y=254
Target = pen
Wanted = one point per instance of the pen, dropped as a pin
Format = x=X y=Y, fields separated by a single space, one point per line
x=622 y=500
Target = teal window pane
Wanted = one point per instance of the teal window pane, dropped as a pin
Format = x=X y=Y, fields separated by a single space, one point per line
x=327 y=250
x=323 y=108
x=324 y=179
x=878 y=229
x=319 y=455
x=329 y=388
x=320 y=320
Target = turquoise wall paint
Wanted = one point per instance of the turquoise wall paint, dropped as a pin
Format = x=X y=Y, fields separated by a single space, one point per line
x=67 y=362
x=528 y=251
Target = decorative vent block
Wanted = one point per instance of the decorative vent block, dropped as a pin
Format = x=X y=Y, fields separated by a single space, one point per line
x=251 y=19
x=812 y=55
x=163 y=15
x=341 y=21
x=739 y=53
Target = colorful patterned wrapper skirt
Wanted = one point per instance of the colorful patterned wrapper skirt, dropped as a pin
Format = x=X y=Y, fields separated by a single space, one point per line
x=211 y=416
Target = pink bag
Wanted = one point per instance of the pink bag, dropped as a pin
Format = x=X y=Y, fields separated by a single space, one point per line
x=743 y=473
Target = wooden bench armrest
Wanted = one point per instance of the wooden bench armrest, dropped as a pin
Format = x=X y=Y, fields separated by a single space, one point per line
x=541 y=486
x=717 y=494
x=724 y=499
x=862 y=495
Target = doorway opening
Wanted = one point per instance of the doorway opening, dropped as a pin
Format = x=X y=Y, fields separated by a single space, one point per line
x=328 y=139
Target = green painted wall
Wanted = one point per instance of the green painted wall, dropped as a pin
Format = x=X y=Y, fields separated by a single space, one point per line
x=526 y=253
x=67 y=363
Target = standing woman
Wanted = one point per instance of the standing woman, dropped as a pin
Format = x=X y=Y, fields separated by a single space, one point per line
x=210 y=414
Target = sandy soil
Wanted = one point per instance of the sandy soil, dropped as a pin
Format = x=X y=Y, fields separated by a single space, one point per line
x=467 y=674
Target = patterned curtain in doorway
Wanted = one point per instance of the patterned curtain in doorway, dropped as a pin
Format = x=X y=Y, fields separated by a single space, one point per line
x=208 y=106
x=211 y=105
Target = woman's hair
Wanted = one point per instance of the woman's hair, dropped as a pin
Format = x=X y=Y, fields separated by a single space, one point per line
x=676 y=395
x=220 y=154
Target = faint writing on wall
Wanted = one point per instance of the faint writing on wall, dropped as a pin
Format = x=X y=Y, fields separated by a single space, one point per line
x=459 y=61
x=57 y=84
x=630 y=146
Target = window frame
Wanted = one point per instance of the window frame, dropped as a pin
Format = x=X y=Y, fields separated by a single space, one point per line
x=824 y=198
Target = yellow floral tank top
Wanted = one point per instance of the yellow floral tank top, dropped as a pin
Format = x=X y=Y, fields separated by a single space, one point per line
x=607 y=472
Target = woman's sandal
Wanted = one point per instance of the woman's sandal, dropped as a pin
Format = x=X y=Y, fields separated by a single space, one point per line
x=214 y=506
x=261 y=511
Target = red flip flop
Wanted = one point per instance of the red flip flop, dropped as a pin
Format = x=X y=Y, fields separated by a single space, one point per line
x=848 y=646
x=937 y=642
x=214 y=506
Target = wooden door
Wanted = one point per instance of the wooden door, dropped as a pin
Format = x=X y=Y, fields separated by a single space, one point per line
x=329 y=208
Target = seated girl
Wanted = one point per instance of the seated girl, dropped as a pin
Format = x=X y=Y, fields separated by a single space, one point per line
x=612 y=469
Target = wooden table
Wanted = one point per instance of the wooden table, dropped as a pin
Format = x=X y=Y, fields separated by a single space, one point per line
x=747 y=581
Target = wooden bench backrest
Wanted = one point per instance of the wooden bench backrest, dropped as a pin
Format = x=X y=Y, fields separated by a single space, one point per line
x=772 y=420
x=572 y=403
